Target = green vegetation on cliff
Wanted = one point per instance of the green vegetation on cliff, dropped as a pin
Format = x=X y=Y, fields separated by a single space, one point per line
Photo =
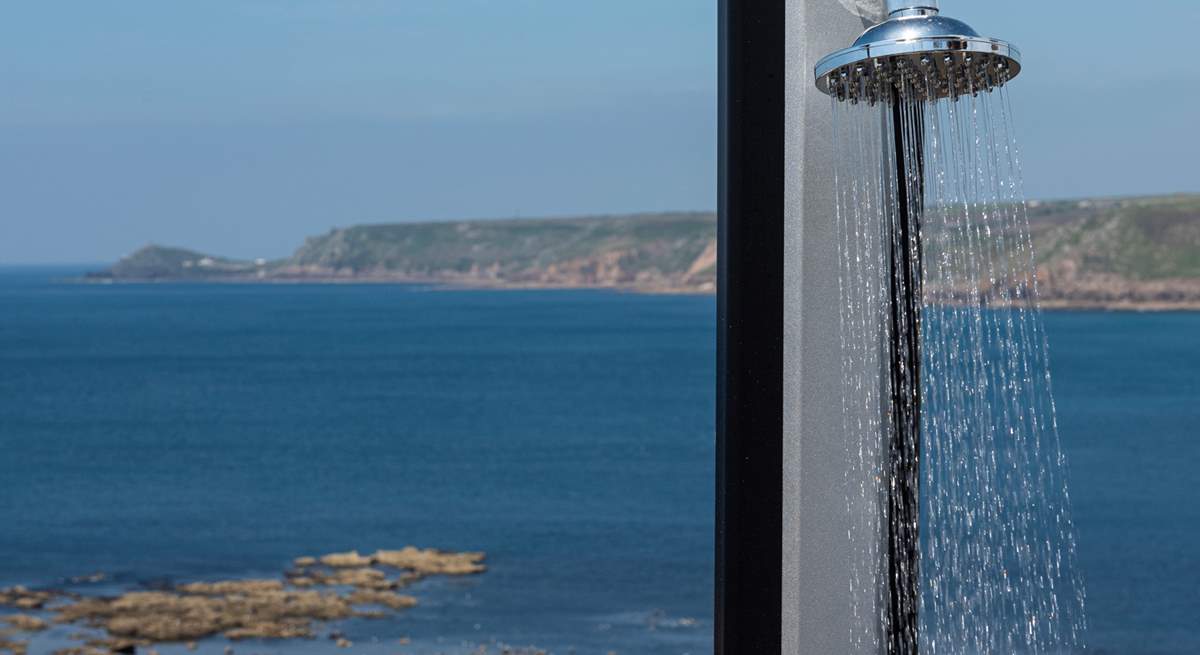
x=1129 y=253
x=651 y=252
x=159 y=262
x=1138 y=238
x=665 y=243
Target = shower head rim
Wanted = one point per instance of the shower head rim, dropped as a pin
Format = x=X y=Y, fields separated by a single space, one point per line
x=940 y=44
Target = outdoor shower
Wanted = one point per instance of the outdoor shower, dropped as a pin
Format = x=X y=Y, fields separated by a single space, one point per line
x=905 y=74
x=889 y=477
x=917 y=54
x=915 y=57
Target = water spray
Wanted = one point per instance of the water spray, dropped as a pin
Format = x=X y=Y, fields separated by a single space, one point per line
x=914 y=58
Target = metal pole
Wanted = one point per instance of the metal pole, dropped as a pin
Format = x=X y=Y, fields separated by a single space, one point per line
x=749 y=543
x=783 y=556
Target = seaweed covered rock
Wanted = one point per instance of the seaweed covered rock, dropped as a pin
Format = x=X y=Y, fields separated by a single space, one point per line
x=428 y=561
x=289 y=629
x=286 y=608
x=431 y=561
x=25 y=622
x=227 y=587
x=360 y=578
x=386 y=598
x=157 y=616
x=26 y=599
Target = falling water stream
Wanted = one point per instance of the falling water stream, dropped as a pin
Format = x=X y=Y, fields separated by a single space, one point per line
x=995 y=553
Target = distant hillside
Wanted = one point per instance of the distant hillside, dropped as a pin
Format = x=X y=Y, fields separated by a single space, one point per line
x=158 y=262
x=670 y=252
x=1138 y=253
x=1127 y=253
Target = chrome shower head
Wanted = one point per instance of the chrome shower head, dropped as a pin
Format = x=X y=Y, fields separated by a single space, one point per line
x=917 y=53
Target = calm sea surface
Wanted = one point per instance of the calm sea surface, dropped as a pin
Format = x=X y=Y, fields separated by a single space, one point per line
x=177 y=432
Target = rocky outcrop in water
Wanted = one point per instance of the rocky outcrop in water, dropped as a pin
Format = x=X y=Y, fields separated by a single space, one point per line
x=154 y=616
x=353 y=585
x=416 y=560
x=26 y=599
x=25 y=623
x=13 y=647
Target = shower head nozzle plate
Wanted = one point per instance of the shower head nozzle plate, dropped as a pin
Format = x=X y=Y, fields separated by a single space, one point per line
x=929 y=56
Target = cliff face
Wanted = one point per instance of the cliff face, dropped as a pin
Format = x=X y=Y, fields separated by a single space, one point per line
x=1127 y=253
x=1140 y=252
x=644 y=251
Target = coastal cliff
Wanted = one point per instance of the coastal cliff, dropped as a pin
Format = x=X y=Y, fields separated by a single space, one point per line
x=667 y=252
x=1136 y=253
x=1131 y=253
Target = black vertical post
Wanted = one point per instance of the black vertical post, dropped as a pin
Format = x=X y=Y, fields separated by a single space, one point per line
x=904 y=364
x=749 y=527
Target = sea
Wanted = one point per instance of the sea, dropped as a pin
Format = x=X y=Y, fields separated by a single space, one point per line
x=164 y=433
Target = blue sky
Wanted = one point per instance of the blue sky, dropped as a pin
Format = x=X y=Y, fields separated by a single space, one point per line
x=240 y=127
